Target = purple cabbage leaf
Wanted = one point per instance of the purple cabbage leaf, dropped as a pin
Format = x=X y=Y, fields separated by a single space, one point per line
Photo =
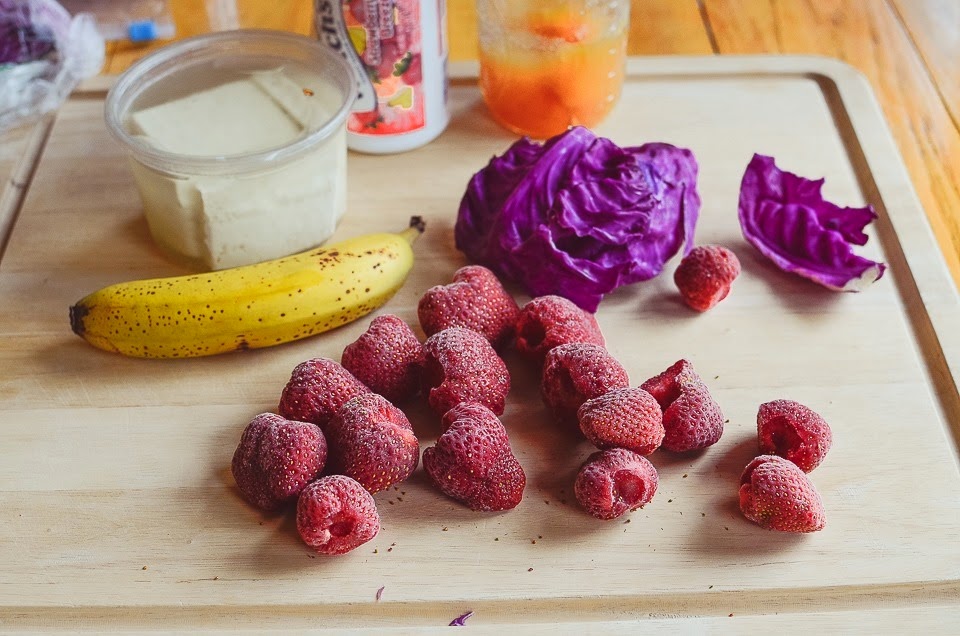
x=786 y=217
x=579 y=216
x=461 y=621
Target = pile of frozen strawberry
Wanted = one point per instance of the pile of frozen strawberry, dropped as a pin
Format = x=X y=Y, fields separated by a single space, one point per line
x=338 y=437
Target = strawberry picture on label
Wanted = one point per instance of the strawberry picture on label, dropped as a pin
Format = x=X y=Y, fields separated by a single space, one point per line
x=386 y=34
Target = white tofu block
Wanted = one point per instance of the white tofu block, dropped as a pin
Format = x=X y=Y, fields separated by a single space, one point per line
x=230 y=119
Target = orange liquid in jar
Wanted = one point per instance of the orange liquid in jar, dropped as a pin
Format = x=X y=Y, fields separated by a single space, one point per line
x=553 y=70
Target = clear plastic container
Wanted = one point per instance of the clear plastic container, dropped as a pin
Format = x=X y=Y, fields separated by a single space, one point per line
x=237 y=142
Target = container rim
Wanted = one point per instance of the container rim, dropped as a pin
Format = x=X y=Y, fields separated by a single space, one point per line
x=128 y=87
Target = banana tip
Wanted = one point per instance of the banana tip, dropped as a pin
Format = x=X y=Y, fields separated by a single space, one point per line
x=418 y=223
x=77 y=314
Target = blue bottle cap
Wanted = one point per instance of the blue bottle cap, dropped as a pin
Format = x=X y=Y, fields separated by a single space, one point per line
x=142 y=31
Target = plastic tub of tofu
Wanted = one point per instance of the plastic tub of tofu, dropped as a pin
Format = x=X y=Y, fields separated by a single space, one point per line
x=237 y=142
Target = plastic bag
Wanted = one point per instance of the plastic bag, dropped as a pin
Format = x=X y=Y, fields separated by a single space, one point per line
x=44 y=53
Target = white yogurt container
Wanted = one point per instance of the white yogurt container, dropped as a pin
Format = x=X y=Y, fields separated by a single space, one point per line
x=237 y=143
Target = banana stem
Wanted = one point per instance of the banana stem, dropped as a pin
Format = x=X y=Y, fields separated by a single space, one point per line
x=417 y=226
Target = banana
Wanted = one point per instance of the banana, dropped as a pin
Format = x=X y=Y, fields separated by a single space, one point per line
x=248 y=307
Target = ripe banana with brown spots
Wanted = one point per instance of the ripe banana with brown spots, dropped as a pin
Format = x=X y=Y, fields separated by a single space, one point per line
x=248 y=307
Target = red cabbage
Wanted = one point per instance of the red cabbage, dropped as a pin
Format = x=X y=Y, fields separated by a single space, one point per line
x=579 y=216
x=786 y=217
x=27 y=30
x=460 y=621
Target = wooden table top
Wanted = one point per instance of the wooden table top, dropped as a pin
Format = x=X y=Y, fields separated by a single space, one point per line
x=908 y=49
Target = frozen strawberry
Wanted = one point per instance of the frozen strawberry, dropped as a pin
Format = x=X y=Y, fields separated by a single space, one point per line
x=335 y=514
x=461 y=366
x=316 y=390
x=792 y=431
x=468 y=410
x=623 y=418
x=775 y=494
x=612 y=482
x=576 y=372
x=474 y=300
x=549 y=321
x=372 y=442
x=276 y=459
x=691 y=418
x=705 y=275
x=472 y=462
x=387 y=357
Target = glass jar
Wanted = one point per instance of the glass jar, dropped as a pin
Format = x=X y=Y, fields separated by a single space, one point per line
x=546 y=65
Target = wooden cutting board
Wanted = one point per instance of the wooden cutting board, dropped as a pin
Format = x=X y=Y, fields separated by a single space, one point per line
x=119 y=511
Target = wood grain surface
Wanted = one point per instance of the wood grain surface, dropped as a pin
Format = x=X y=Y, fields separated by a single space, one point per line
x=120 y=512
x=869 y=36
x=19 y=150
x=908 y=49
x=934 y=28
